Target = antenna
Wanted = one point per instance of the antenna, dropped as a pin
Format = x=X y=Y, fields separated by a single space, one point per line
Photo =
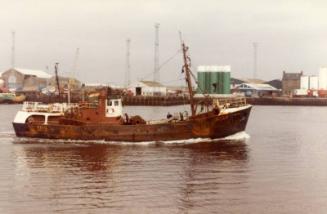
x=128 y=66
x=180 y=36
x=255 y=47
x=156 y=74
x=13 y=49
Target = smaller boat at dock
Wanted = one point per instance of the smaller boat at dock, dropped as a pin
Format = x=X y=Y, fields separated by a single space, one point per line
x=11 y=98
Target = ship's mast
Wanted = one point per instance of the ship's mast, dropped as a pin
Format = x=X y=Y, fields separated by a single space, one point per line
x=255 y=52
x=187 y=71
x=128 y=64
x=156 y=74
x=57 y=78
x=13 y=50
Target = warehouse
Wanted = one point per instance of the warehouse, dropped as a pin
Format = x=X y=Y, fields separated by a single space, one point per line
x=18 y=79
x=148 y=88
x=256 y=90
x=64 y=82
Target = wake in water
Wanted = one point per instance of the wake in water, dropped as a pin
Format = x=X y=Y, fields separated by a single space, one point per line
x=240 y=136
x=6 y=134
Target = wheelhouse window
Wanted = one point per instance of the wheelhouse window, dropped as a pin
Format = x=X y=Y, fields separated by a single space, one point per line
x=37 y=119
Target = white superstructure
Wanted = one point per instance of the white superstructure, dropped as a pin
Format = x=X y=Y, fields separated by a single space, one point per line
x=40 y=109
x=323 y=78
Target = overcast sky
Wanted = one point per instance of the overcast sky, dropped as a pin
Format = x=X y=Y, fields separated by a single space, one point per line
x=291 y=36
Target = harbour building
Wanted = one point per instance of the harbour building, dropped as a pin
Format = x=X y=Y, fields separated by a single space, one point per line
x=290 y=82
x=19 y=79
x=148 y=88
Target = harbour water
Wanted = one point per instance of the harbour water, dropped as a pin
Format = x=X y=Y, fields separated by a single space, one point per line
x=278 y=166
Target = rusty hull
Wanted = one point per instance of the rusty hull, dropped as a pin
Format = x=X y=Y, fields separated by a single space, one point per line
x=205 y=126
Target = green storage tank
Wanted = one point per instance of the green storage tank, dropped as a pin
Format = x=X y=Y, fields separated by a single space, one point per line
x=214 y=79
x=208 y=82
x=226 y=83
x=204 y=80
x=201 y=82
x=221 y=82
x=213 y=83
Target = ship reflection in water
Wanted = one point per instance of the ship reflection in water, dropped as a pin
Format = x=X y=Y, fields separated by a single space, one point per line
x=94 y=178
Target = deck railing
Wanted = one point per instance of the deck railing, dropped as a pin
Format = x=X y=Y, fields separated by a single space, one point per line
x=51 y=108
x=230 y=102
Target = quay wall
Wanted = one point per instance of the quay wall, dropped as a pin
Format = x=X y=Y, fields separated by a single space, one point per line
x=287 y=101
x=179 y=100
x=169 y=101
x=154 y=101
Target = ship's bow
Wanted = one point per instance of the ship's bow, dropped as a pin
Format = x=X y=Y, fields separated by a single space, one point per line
x=234 y=121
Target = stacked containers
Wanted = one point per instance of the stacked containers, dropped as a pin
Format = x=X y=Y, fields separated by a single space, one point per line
x=214 y=79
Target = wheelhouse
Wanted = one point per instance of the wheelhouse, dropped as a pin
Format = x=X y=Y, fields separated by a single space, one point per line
x=114 y=108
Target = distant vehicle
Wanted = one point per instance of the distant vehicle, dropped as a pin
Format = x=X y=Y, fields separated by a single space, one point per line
x=305 y=93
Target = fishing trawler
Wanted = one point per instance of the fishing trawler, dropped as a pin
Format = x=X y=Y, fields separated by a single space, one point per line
x=104 y=119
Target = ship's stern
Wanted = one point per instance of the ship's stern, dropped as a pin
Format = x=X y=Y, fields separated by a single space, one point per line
x=19 y=123
x=20 y=129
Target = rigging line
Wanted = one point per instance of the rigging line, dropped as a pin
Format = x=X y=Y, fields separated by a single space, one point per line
x=195 y=79
x=197 y=83
x=169 y=59
x=163 y=64
x=175 y=80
